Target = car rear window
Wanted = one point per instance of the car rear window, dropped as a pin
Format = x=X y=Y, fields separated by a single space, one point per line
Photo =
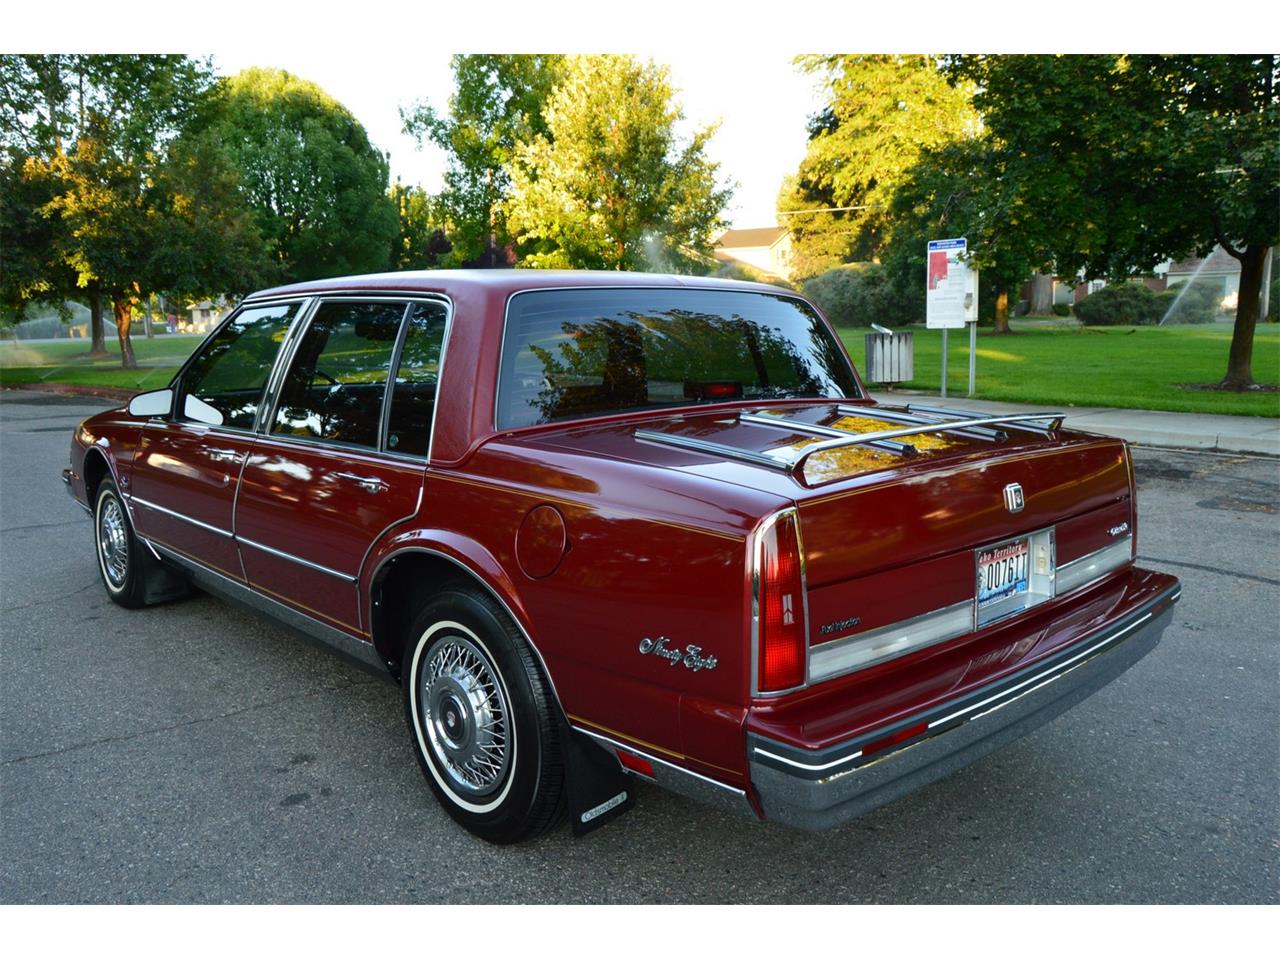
x=569 y=354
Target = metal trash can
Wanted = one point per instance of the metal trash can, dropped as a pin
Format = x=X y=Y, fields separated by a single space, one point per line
x=890 y=356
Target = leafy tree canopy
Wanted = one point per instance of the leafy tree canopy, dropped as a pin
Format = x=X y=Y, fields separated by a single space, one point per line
x=610 y=185
x=1137 y=159
x=498 y=101
x=109 y=185
x=316 y=185
x=883 y=112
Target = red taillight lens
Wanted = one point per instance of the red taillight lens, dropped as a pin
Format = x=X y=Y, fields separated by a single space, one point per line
x=783 y=642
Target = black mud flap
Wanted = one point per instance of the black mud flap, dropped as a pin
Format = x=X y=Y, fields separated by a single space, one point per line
x=160 y=584
x=598 y=789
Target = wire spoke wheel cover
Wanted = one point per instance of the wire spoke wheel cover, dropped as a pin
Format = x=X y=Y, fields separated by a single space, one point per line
x=113 y=542
x=463 y=717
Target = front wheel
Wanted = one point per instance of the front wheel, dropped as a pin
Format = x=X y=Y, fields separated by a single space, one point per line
x=120 y=558
x=481 y=718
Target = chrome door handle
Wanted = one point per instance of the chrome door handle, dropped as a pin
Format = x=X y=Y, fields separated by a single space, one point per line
x=372 y=484
x=225 y=456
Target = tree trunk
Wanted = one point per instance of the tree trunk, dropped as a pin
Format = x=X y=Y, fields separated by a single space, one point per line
x=98 y=346
x=1002 y=311
x=1041 y=295
x=1240 y=362
x=124 y=320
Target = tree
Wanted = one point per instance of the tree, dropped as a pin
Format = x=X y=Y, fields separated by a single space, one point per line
x=94 y=136
x=420 y=241
x=610 y=186
x=884 y=112
x=498 y=101
x=316 y=185
x=963 y=190
x=1139 y=159
x=58 y=110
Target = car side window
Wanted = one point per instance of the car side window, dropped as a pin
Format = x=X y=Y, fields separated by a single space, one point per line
x=413 y=398
x=227 y=377
x=338 y=376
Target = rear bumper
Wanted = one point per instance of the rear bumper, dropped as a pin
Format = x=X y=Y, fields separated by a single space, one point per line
x=817 y=789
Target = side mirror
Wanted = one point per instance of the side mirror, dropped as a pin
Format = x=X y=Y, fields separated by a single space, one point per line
x=156 y=403
x=193 y=408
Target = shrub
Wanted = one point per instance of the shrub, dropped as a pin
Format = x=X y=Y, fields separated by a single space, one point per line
x=1120 y=304
x=1200 y=303
x=857 y=295
x=1062 y=310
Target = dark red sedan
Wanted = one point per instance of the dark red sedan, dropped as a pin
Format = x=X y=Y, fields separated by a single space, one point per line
x=604 y=525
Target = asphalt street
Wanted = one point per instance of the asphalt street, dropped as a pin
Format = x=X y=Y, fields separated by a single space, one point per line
x=194 y=753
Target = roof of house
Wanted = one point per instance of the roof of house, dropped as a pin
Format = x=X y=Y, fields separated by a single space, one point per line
x=752 y=237
x=1218 y=261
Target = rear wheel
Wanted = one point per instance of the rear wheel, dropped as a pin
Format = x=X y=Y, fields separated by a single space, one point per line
x=120 y=558
x=481 y=718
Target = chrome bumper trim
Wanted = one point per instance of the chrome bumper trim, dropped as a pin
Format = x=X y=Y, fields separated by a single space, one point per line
x=824 y=788
x=833 y=658
x=1091 y=566
x=678 y=779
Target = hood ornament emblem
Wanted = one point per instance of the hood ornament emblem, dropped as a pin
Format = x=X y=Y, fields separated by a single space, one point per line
x=1013 y=500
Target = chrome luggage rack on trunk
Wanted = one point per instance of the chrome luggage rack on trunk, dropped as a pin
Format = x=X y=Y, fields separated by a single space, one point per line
x=920 y=419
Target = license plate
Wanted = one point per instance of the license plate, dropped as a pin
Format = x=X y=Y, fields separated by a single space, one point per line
x=1003 y=571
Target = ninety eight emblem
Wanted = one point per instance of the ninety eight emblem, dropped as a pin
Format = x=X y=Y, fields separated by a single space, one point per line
x=691 y=656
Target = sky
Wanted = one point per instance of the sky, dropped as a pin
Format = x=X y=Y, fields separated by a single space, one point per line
x=762 y=108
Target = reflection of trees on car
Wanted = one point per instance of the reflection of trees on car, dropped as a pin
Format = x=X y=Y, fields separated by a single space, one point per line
x=608 y=363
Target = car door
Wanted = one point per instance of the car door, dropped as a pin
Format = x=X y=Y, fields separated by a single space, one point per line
x=187 y=465
x=341 y=460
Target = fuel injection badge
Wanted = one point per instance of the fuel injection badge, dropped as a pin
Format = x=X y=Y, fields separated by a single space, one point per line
x=691 y=656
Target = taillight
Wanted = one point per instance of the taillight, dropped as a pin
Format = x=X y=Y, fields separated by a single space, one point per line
x=782 y=641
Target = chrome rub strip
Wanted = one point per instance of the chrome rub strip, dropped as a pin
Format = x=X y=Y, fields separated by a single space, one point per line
x=289 y=556
x=182 y=516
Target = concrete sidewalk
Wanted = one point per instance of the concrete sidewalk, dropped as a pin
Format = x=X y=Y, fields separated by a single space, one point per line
x=1156 y=428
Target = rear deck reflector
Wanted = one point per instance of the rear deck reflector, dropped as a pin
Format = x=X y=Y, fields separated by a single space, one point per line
x=886 y=742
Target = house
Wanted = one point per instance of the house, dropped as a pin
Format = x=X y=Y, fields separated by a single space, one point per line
x=767 y=249
x=1219 y=268
x=203 y=316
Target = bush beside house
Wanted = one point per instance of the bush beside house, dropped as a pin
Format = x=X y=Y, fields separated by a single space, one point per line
x=1133 y=304
x=858 y=295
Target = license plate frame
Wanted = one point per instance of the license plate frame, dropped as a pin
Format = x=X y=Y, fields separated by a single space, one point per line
x=1008 y=590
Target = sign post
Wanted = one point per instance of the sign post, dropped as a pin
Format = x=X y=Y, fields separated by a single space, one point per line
x=971 y=318
x=949 y=291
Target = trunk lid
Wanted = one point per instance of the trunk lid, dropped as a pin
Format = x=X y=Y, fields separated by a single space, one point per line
x=890 y=535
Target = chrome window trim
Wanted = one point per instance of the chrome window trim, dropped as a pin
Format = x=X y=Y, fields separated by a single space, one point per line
x=182 y=516
x=263 y=428
x=298 y=560
x=677 y=285
x=266 y=410
x=757 y=546
x=175 y=383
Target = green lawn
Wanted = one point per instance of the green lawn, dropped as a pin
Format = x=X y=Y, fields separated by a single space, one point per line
x=1137 y=367
x=67 y=361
